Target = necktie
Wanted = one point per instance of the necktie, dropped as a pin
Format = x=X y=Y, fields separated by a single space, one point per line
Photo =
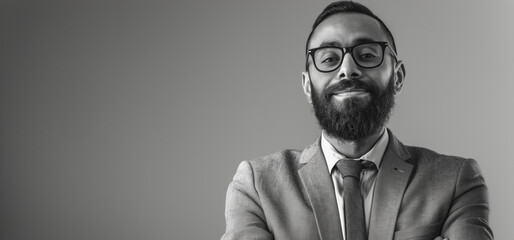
x=353 y=204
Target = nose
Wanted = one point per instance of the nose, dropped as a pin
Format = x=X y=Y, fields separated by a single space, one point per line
x=349 y=69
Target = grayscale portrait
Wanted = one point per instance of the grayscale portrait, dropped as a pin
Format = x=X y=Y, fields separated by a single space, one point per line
x=288 y=119
x=357 y=180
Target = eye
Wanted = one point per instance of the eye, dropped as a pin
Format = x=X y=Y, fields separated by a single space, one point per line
x=330 y=59
x=367 y=56
x=327 y=57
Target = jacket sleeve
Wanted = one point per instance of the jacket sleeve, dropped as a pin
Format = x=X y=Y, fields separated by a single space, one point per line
x=243 y=213
x=468 y=218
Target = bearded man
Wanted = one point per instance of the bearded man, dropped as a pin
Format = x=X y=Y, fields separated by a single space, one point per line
x=357 y=181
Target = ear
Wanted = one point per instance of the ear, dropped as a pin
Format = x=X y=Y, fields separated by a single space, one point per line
x=306 y=85
x=399 y=76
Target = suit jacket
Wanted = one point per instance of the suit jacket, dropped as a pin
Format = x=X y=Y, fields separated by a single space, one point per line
x=419 y=194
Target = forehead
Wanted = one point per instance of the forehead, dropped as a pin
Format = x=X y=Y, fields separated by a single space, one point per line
x=347 y=29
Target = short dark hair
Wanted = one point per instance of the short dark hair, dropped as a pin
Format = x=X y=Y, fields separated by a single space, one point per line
x=347 y=7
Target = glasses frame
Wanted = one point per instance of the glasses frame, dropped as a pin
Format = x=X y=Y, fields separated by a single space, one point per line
x=345 y=50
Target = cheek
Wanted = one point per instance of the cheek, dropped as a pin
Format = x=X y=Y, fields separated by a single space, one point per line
x=320 y=80
x=382 y=77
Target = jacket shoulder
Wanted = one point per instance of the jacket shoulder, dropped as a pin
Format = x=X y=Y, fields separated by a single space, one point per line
x=285 y=158
x=424 y=156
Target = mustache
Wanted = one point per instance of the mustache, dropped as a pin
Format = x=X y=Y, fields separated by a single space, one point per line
x=348 y=84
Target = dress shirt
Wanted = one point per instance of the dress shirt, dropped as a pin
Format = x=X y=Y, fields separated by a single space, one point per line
x=374 y=155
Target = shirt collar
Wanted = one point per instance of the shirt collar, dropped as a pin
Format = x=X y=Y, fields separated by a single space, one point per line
x=375 y=154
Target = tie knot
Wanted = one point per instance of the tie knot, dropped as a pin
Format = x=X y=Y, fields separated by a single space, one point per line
x=350 y=168
x=368 y=165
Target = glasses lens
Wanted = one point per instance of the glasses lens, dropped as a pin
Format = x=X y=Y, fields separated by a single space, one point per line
x=368 y=55
x=328 y=59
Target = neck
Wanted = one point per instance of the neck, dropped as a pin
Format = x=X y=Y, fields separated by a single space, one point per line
x=354 y=149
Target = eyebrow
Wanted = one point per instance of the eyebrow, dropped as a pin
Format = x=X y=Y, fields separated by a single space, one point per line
x=330 y=44
x=337 y=44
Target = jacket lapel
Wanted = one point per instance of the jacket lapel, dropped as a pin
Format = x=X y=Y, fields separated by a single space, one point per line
x=391 y=182
x=320 y=191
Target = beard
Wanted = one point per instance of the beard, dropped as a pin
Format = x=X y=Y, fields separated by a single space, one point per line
x=350 y=121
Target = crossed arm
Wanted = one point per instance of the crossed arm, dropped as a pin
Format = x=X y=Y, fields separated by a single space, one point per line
x=469 y=212
x=244 y=215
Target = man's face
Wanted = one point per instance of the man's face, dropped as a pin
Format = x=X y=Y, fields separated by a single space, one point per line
x=352 y=102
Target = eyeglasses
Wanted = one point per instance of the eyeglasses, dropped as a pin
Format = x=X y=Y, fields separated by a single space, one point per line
x=365 y=55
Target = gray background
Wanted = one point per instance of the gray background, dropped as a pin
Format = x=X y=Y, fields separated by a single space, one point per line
x=127 y=120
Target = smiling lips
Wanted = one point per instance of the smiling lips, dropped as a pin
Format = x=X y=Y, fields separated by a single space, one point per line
x=349 y=91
